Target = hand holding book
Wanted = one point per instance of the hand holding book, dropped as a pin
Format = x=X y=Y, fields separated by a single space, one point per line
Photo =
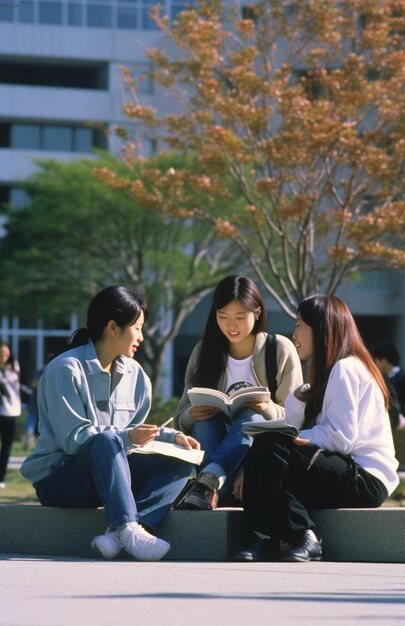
x=202 y=396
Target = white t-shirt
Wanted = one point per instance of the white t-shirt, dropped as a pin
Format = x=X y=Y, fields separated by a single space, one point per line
x=239 y=374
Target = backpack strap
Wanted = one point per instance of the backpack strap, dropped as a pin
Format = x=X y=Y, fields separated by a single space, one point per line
x=271 y=364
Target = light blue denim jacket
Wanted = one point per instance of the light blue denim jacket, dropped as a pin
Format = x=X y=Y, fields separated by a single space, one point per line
x=78 y=399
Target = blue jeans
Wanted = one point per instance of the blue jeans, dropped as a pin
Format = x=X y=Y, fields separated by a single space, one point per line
x=137 y=487
x=225 y=445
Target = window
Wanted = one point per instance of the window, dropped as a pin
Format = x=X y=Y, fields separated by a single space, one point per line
x=26 y=11
x=50 y=12
x=57 y=75
x=249 y=13
x=19 y=197
x=126 y=17
x=25 y=136
x=83 y=140
x=142 y=74
x=52 y=137
x=147 y=22
x=74 y=14
x=6 y=14
x=4 y=135
x=99 y=16
x=4 y=195
x=57 y=138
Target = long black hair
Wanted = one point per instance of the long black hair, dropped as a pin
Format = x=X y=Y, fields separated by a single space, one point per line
x=122 y=305
x=335 y=336
x=214 y=345
x=11 y=362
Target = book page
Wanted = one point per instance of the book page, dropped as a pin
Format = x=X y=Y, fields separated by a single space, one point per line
x=170 y=449
x=200 y=396
x=258 y=393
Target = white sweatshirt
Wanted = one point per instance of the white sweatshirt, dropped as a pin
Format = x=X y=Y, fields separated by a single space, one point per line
x=353 y=421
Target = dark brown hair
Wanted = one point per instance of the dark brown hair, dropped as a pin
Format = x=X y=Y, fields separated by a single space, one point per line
x=335 y=336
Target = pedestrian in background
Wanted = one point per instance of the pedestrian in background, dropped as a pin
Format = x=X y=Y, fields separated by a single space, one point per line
x=10 y=405
x=388 y=362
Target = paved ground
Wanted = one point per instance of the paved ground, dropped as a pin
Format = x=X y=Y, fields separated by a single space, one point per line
x=75 y=592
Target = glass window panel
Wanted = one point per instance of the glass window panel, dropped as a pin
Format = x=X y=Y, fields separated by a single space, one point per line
x=98 y=15
x=83 y=140
x=50 y=12
x=19 y=197
x=6 y=15
x=126 y=18
x=5 y=135
x=58 y=138
x=26 y=136
x=74 y=14
x=26 y=11
x=147 y=22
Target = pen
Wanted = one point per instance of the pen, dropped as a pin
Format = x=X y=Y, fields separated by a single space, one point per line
x=167 y=422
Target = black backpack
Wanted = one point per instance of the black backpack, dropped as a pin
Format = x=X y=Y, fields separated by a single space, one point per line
x=271 y=364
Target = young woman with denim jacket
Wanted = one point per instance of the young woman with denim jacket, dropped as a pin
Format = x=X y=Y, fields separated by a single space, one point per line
x=231 y=355
x=93 y=401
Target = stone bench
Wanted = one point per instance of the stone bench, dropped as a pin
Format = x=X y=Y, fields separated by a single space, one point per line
x=364 y=535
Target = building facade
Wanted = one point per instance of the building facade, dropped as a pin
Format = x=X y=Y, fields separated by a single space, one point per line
x=60 y=96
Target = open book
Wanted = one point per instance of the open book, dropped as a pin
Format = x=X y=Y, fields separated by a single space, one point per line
x=170 y=449
x=201 y=396
x=271 y=426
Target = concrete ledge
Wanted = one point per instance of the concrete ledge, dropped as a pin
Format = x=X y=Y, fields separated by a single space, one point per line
x=349 y=535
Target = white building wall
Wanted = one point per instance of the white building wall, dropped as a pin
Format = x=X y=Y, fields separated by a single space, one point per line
x=378 y=295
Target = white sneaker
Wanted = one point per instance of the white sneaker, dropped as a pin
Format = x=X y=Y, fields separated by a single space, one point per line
x=141 y=544
x=108 y=545
x=2 y=485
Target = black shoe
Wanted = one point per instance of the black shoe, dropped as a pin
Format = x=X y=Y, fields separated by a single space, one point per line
x=308 y=548
x=258 y=549
x=204 y=493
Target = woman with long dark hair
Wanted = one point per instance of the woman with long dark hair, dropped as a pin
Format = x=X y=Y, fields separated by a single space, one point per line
x=344 y=455
x=10 y=405
x=230 y=356
x=93 y=401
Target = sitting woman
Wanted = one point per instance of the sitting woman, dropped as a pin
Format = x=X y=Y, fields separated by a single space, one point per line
x=232 y=355
x=344 y=455
x=93 y=401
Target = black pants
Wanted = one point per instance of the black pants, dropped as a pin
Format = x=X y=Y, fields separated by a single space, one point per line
x=7 y=433
x=279 y=487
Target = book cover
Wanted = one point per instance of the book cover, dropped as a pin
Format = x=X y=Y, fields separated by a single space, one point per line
x=201 y=396
x=274 y=426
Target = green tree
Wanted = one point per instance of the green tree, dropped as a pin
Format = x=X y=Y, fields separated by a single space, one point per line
x=299 y=108
x=78 y=235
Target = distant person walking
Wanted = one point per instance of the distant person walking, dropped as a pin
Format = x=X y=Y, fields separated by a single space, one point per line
x=10 y=405
x=388 y=362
